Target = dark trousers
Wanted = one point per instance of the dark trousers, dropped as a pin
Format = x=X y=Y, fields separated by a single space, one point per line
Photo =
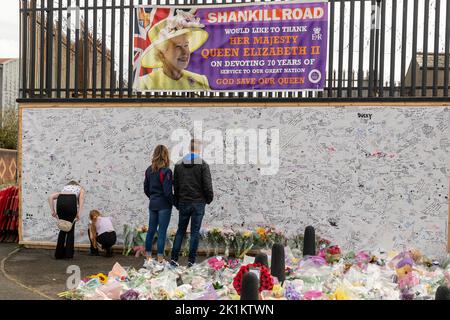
x=106 y=240
x=195 y=213
x=66 y=209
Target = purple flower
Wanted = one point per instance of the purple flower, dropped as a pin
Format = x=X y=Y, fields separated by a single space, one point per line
x=404 y=262
x=290 y=293
x=130 y=295
x=407 y=295
x=318 y=261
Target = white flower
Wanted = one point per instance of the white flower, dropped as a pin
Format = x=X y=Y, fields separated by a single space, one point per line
x=181 y=20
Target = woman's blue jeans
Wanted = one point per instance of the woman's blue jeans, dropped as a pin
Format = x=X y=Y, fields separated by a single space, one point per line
x=159 y=219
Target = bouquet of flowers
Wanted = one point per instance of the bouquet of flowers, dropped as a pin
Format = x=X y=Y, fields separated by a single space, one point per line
x=100 y=276
x=140 y=234
x=130 y=295
x=291 y=293
x=362 y=258
x=185 y=248
x=128 y=241
x=260 y=237
x=322 y=243
x=170 y=238
x=238 y=243
x=216 y=263
x=243 y=242
x=333 y=254
x=205 y=241
x=233 y=263
x=228 y=238
x=247 y=243
x=275 y=236
x=296 y=242
x=215 y=237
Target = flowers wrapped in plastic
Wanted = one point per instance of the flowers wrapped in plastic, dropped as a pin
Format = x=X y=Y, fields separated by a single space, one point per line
x=312 y=295
x=163 y=286
x=243 y=243
x=228 y=238
x=215 y=237
x=134 y=240
x=130 y=295
x=217 y=263
x=291 y=292
x=333 y=254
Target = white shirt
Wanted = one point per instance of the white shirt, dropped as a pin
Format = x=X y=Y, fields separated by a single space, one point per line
x=103 y=224
x=72 y=189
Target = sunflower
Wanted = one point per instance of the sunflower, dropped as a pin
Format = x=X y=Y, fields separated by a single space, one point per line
x=102 y=277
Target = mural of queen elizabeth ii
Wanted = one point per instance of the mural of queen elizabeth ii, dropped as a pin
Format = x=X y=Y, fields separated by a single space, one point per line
x=172 y=42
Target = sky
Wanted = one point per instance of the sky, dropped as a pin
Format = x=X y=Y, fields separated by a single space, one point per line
x=9 y=29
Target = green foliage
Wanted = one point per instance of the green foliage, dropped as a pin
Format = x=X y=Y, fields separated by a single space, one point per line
x=10 y=129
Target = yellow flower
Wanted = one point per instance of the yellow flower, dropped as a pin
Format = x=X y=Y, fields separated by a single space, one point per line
x=403 y=271
x=162 y=294
x=339 y=294
x=261 y=231
x=179 y=294
x=102 y=277
x=247 y=234
x=277 y=291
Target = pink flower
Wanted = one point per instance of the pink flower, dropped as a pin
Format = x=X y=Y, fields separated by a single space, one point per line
x=312 y=294
x=408 y=281
x=216 y=264
x=362 y=258
x=233 y=263
x=139 y=250
x=322 y=254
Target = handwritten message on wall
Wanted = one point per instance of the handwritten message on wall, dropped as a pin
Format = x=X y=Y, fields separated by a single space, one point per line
x=365 y=177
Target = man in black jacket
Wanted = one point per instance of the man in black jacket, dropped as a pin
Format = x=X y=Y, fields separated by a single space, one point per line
x=192 y=192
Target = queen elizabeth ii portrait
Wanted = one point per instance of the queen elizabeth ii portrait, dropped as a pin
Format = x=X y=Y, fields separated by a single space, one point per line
x=172 y=42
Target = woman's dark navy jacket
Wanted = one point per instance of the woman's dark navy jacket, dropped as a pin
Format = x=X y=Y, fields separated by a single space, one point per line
x=158 y=188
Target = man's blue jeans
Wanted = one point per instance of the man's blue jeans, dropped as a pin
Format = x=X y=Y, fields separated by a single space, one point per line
x=158 y=219
x=195 y=213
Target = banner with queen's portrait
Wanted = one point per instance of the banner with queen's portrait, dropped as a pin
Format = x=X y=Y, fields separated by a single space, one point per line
x=235 y=47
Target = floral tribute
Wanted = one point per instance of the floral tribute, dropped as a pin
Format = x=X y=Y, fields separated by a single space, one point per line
x=265 y=279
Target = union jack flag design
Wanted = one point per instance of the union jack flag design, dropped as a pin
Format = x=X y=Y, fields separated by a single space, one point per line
x=146 y=17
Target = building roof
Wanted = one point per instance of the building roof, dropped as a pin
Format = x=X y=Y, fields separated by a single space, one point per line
x=5 y=60
x=430 y=60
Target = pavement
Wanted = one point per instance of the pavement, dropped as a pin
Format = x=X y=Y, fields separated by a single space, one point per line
x=34 y=274
x=9 y=289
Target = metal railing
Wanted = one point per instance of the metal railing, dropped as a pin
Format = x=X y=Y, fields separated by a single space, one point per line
x=378 y=50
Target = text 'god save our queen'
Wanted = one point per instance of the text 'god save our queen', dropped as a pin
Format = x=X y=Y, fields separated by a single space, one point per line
x=266 y=15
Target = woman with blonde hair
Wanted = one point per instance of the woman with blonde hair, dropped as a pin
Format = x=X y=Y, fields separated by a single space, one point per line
x=69 y=204
x=158 y=188
x=101 y=231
